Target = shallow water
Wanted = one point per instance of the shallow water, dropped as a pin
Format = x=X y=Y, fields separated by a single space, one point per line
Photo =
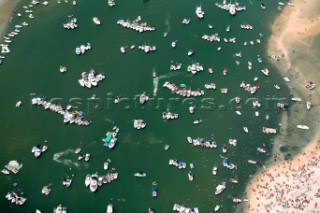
x=33 y=68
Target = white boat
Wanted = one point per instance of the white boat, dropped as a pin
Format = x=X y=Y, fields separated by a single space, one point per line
x=105 y=165
x=189 y=139
x=140 y=174
x=46 y=190
x=276 y=86
x=286 y=79
x=238 y=112
x=67 y=182
x=198 y=121
x=109 y=208
x=199 y=12
x=214 y=170
x=94 y=182
x=96 y=21
x=302 y=127
x=190 y=52
x=190 y=176
x=232 y=9
x=174 y=44
x=4 y=171
x=220 y=188
x=78 y=150
x=87 y=180
x=259 y=149
x=18 y=104
x=245 y=129
x=122 y=50
x=309 y=105
x=252 y=161
x=191 y=109
x=166 y=147
x=216 y=208
x=296 y=99
x=87 y=157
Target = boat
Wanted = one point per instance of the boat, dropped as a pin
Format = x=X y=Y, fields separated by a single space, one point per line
x=224 y=148
x=191 y=109
x=309 y=105
x=198 y=121
x=80 y=157
x=216 y=208
x=199 y=12
x=105 y=165
x=190 y=52
x=94 y=182
x=150 y=210
x=302 y=127
x=154 y=189
x=109 y=208
x=245 y=129
x=276 y=86
x=238 y=112
x=190 y=176
x=174 y=44
x=46 y=190
x=311 y=85
x=259 y=149
x=252 y=161
x=214 y=170
x=122 y=50
x=4 y=171
x=140 y=174
x=87 y=157
x=143 y=98
x=296 y=99
x=189 y=139
x=60 y=209
x=96 y=21
x=220 y=188
x=63 y=69
x=78 y=150
x=18 y=104
x=67 y=182
x=232 y=180
x=87 y=180
x=236 y=200
x=166 y=147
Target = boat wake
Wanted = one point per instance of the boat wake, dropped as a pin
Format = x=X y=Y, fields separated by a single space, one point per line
x=167 y=23
x=66 y=162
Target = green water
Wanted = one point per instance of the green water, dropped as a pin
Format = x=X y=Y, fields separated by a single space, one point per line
x=32 y=67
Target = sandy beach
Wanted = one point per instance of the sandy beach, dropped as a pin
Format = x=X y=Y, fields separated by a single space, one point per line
x=6 y=8
x=293 y=185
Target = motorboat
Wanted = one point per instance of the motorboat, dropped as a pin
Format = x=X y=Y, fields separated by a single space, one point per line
x=4 y=171
x=220 y=188
x=245 y=129
x=87 y=180
x=309 y=105
x=94 y=182
x=199 y=12
x=87 y=157
x=150 y=210
x=60 y=209
x=18 y=104
x=190 y=176
x=154 y=189
x=190 y=52
x=214 y=170
x=302 y=127
x=238 y=112
x=122 y=50
x=174 y=44
x=143 y=98
x=67 y=182
x=296 y=99
x=140 y=174
x=63 y=69
x=166 y=147
x=311 y=85
x=259 y=149
x=105 y=165
x=96 y=21
x=191 y=109
x=78 y=150
x=252 y=161
x=109 y=208
x=236 y=200
x=46 y=190
x=276 y=86
x=198 y=121
x=216 y=208
x=189 y=139
x=232 y=180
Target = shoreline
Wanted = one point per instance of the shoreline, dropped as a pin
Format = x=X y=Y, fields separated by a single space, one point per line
x=270 y=190
x=6 y=9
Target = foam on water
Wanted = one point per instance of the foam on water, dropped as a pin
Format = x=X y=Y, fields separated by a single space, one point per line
x=66 y=162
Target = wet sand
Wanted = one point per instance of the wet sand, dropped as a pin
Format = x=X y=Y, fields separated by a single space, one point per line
x=292 y=185
x=6 y=8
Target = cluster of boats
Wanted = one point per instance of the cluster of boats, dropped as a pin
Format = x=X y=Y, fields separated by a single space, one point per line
x=182 y=91
x=136 y=25
x=194 y=68
x=60 y=209
x=38 y=150
x=147 y=48
x=81 y=49
x=232 y=8
x=202 y=142
x=199 y=12
x=69 y=117
x=178 y=164
x=233 y=142
x=311 y=85
x=169 y=115
x=246 y=26
x=176 y=66
x=228 y=164
x=267 y=130
x=182 y=209
x=139 y=124
x=111 y=138
x=214 y=37
x=72 y=24
x=90 y=79
x=249 y=88
x=15 y=198
x=13 y=166
x=210 y=86
x=46 y=190
x=93 y=181
x=214 y=170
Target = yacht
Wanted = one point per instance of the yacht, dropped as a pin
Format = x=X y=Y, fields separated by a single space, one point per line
x=190 y=176
x=220 y=188
x=140 y=174
x=302 y=127
x=87 y=180
x=96 y=21
x=109 y=208
x=94 y=182
x=199 y=12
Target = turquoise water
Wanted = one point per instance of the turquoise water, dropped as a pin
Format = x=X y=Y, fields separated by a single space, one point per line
x=32 y=67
